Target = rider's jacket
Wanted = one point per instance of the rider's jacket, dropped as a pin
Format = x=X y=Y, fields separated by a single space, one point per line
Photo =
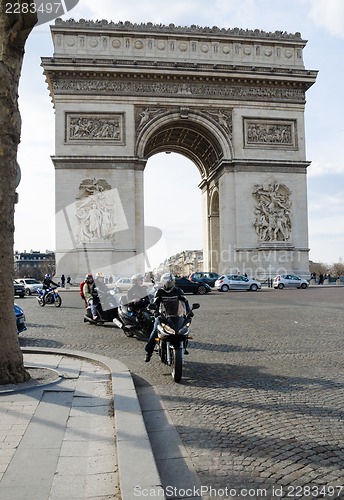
x=168 y=299
x=47 y=283
x=136 y=292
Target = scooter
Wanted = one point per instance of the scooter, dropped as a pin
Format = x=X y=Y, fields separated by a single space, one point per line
x=135 y=319
x=106 y=304
x=172 y=336
x=51 y=297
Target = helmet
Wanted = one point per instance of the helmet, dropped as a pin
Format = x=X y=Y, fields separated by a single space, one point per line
x=89 y=277
x=47 y=277
x=137 y=279
x=99 y=275
x=168 y=281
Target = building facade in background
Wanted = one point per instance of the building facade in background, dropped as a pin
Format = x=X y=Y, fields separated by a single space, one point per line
x=34 y=264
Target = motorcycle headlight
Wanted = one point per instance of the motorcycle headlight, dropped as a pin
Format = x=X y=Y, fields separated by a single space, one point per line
x=184 y=329
x=168 y=329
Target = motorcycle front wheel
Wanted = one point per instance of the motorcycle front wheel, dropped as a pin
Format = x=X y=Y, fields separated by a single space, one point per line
x=176 y=364
x=58 y=301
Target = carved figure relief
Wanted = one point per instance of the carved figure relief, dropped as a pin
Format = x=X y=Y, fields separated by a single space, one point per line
x=86 y=127
x=223 y=118
x=95 y=211
x=146 y=115
x=215 y=91
x=272 y=212
x=272 y=133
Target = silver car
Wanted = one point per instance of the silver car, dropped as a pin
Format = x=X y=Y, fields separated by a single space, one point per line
x=123 y=285
x=31 y=285
x=237 y=282
x=289 y=281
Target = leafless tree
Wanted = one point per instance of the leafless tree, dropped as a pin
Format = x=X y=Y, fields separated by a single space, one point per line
x=14 y=30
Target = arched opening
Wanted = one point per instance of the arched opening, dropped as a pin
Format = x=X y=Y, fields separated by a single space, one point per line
x=173 y=203
x=191 y=138
x=214 y=230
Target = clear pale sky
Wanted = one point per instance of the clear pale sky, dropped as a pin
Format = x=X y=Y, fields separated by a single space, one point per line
x=319 y=21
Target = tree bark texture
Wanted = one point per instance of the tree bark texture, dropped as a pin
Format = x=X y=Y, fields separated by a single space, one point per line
x=14 y=30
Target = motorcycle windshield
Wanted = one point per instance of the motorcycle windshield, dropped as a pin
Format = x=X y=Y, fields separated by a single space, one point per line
x=174 y=311
x=173 y=308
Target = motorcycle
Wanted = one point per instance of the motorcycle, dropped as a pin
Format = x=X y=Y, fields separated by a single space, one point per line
x=106 y=304
x=135 y=319
x=52 y=297
x=172 y=335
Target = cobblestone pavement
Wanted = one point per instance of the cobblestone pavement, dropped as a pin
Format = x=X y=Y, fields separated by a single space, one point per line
x=260 y=408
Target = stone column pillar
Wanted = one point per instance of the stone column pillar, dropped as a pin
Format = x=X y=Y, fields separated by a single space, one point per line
x=99 y=217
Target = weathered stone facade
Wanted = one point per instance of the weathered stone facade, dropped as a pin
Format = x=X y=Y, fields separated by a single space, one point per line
x=232 y=101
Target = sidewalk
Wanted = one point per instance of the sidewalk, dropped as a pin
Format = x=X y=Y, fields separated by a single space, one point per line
x=74 y=431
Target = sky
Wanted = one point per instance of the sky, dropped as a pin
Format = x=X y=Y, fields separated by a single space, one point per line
x=319 y=21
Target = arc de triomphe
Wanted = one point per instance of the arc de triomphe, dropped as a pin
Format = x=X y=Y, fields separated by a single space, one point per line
x=230 y=100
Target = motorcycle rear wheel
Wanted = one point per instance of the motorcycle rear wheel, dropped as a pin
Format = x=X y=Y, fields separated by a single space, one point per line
x=41 y=302
x=58 y=301
x=176 y=364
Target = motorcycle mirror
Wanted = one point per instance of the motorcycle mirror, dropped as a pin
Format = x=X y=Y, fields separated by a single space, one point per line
x=195 y=306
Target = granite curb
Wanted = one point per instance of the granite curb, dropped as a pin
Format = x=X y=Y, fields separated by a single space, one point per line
x=136 y=462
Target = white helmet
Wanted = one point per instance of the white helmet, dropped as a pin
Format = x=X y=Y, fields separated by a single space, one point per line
x=168 y=281
x=137 y=279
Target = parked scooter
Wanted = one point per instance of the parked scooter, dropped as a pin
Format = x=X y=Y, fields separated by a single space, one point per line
x=135 y=319
x=172 y=335
x=51 y=297
x=106 y=303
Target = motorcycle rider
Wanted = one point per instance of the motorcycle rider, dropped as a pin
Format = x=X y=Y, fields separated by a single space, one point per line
x=99 y=282
x=137 y=291
x=167 y=294
x=137 y=295
x=47 y=282
x=90 y=294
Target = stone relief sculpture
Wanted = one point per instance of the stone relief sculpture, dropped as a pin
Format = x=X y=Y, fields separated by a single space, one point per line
x=272 y=212
x=95 y=211
x=102 y=128
x=216 y=91
x=269 y=132
x=147 y=114
x=223 y=118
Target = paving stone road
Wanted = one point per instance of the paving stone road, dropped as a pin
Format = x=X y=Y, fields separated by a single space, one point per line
x=260 y=408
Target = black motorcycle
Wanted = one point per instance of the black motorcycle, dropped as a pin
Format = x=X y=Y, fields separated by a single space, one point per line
x=135 y=319
x=51 y=297
x=173 y=334
x=106 y=303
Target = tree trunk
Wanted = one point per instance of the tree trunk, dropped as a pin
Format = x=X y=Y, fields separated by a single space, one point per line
x=14 y=30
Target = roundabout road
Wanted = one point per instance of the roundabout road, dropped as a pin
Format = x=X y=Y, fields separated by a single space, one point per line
x=260 y=406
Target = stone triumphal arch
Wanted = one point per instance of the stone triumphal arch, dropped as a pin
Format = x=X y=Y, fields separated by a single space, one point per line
x=230 y=100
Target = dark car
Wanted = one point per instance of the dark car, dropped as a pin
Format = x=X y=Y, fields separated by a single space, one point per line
x=205 y=277
x=18 y=289
x=20 y=319
x=189 y=286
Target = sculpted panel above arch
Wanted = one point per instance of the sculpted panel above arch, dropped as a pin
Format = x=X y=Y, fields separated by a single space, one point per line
x=221 y=117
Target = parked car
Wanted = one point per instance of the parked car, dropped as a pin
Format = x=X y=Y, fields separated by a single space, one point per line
x=31 y=285
x=18 y=289
x=237 y=282
x=289 y=281
x=204 y=277
x=189 y=286
x=122 y=285
x=20 y=319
